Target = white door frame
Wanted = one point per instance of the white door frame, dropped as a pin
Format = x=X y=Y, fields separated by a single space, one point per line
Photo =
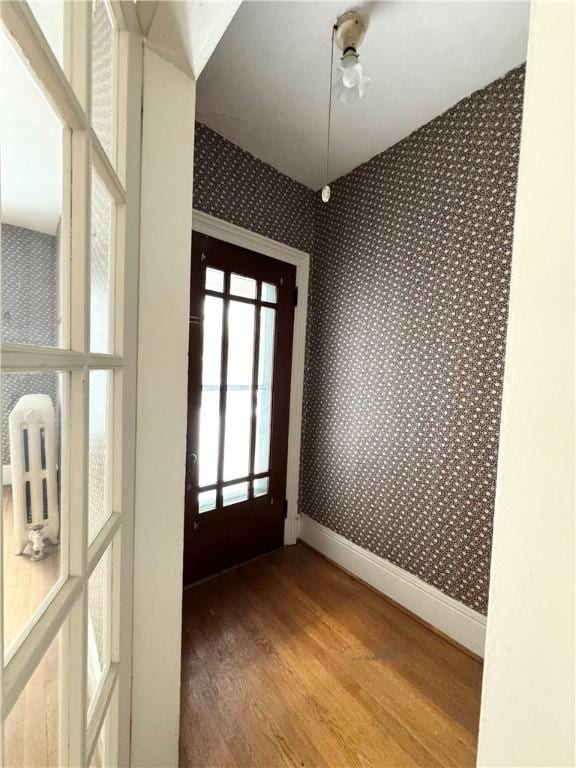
x=164 y=296
x=209 y=225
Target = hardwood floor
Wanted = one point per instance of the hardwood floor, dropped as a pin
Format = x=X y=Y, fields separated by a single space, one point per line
x=288 y=661
x=26 y=583
x=32 y=727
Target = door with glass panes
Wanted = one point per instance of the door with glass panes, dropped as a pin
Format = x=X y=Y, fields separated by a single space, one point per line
x=67 y=380
x=241 y=324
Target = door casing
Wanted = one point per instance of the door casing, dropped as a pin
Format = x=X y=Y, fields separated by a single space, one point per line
x=230 y=233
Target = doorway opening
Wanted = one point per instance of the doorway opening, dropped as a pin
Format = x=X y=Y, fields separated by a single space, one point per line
x=243 y=359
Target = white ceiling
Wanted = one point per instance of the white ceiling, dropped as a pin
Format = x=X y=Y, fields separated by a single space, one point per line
x=265 y=87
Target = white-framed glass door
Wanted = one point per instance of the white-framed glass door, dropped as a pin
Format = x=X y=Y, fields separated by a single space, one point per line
x=67 y=381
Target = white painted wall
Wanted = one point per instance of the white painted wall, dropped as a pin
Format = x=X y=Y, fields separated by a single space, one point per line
x=166 y=232
x=528 y=715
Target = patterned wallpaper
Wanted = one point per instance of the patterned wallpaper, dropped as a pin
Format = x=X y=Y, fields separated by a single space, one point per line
x=407 y=323
x=29 y=310
x=232 y=184
x=407 y=317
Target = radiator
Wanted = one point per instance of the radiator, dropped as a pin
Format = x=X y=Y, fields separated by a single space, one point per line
x=34 y=475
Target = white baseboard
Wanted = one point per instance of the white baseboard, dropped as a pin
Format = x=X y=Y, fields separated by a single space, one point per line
x=454 y=619
x=6 y=474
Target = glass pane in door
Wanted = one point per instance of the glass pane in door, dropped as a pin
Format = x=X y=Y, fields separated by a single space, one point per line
x=243 y=286
x=32 y=728
x=99 y=451
x=239 y=390
x=50 y=17
x=234 y=494
x=31 y=182
x=260 y=486
x=102 y=269
x=210 y=399
x=34 y=417
x=269 y=293
x=99 y=623
x=206 y=501
x=264 y=393
x=104 y=43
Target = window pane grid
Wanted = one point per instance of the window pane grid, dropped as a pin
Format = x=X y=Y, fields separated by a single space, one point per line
x=235 y=410
x=72 y=590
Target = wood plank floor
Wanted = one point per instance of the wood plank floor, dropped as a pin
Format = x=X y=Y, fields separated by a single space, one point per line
x=288 y=661
x=32 y=728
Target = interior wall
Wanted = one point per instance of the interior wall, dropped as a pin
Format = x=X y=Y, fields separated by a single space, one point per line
x=529 y=685
x=406 y=330
x=406 y=334
x=164 y=301
x=233 y=185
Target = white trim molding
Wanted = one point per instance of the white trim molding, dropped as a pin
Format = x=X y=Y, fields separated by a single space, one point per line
x=230 y=233
x=6 y=474
x=464 y=625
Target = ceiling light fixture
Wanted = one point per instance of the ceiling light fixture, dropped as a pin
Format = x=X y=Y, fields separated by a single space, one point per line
x=348 y=33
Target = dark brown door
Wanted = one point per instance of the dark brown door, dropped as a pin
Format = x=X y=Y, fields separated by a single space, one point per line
x=241 y=320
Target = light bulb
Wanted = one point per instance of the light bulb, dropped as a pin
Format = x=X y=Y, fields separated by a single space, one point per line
x=351 y=82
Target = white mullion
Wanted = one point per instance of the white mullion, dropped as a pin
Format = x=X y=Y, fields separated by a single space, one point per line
x=99 y=361
x=102 y=541
x=64 y=393
x=76 y=650
x=76 y=638
x=17 y=357
x=21 y=24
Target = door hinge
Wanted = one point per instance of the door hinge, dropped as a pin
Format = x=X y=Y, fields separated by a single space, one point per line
x=285 y=508
x=295 y=297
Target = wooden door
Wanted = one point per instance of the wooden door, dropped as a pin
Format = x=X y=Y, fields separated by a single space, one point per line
x=241 y=323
